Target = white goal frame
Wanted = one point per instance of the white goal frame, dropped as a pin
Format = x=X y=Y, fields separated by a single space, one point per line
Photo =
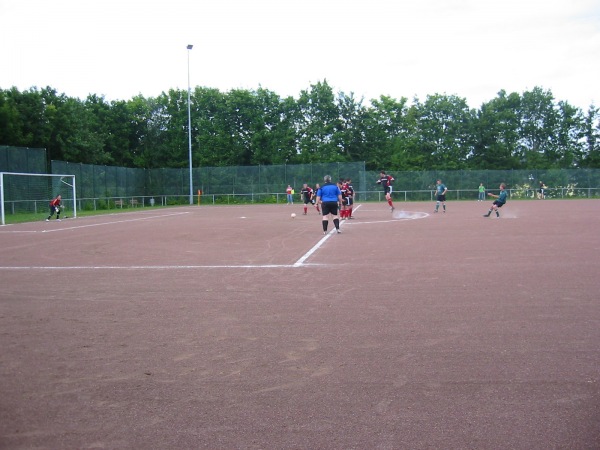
x=46 y=175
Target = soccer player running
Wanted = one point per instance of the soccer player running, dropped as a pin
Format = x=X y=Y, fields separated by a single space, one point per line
x=386 y=182
x=55 y=208
x=440 y=190
x=306 y=194
x=329 y=197
x=499 y=202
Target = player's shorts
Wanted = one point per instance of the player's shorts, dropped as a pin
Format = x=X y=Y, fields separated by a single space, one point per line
x=388 y=190
x=307 y=200
x=349 y=201
x=441 y=198
x=498 y=204
x=329 y=208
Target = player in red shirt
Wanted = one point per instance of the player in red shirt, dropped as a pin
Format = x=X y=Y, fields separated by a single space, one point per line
x=350 y=198
x=307 y=195
x=55 y=208
x=386 y=181
x=344 y=208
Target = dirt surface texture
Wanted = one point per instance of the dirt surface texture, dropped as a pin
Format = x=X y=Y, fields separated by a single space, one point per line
x=240 y=327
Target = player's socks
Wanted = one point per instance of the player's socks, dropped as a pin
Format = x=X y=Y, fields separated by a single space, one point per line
x=497 y=214
x=325 y=223
x=305 y=210
x=336 y=222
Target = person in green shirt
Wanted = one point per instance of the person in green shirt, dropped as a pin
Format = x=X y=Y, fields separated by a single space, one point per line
x=481 y=192
x=499 y=202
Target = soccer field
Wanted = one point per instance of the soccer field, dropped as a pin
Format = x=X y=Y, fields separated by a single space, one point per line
x=240 y=327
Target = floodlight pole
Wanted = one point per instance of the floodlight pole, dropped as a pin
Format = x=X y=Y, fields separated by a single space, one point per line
x=189 y=47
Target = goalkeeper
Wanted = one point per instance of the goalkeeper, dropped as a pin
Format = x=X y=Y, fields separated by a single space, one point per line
x=55 y=208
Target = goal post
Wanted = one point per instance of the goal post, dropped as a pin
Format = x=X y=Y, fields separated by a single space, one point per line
x=31 y=193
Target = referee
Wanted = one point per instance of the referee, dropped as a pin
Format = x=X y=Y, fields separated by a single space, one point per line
x=329 y=197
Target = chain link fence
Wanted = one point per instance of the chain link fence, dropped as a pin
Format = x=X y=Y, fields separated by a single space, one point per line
x=104 y=187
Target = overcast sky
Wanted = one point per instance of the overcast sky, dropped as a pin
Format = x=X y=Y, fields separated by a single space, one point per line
x=469 y=48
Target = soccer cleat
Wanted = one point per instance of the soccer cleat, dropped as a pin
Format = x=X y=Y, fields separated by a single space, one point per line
x=58 y=220
x=339 y=231
x=487 y=215
x=47 y=220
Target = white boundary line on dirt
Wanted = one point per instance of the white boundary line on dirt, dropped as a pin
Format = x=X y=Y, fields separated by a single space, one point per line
x=301 y=262
x=113 y=222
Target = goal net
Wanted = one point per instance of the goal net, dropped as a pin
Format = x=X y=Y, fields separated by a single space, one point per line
x=31 y=193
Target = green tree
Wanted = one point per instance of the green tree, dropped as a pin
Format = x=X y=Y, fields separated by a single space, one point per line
x=349 y=135
x=274 y=135
x=385 y=129
x=591 y=132
x=538 y=129
x=319 y=118
x=496 y=133
x=445 y=125
x=11 y=124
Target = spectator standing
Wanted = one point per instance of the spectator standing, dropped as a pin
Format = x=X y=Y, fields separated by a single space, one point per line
x=481 y=192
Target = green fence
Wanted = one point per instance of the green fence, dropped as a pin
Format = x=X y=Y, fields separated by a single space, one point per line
x=115 y=182
x=22 y=159
x=109 y=182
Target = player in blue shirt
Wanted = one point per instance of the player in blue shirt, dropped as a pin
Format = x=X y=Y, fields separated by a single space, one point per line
x=499 y=202
x=329 y=197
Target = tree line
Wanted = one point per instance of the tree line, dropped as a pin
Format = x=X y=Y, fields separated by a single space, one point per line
x=241 y=127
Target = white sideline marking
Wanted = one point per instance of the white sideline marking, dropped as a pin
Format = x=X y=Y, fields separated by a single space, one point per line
x=114 y=222
x=299 y=263
x=242 y=266
x=307 y=255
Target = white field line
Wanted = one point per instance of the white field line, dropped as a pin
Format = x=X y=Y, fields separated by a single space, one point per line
x=241 y=266
x=318 y=245
x=92 y=224
x=114 y=222
x=301 y=262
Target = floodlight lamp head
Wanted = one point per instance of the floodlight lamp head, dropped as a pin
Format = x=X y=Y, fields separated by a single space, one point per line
x=190 y=46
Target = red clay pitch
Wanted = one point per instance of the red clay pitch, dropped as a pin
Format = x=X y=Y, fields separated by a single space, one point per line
x=240 y=327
